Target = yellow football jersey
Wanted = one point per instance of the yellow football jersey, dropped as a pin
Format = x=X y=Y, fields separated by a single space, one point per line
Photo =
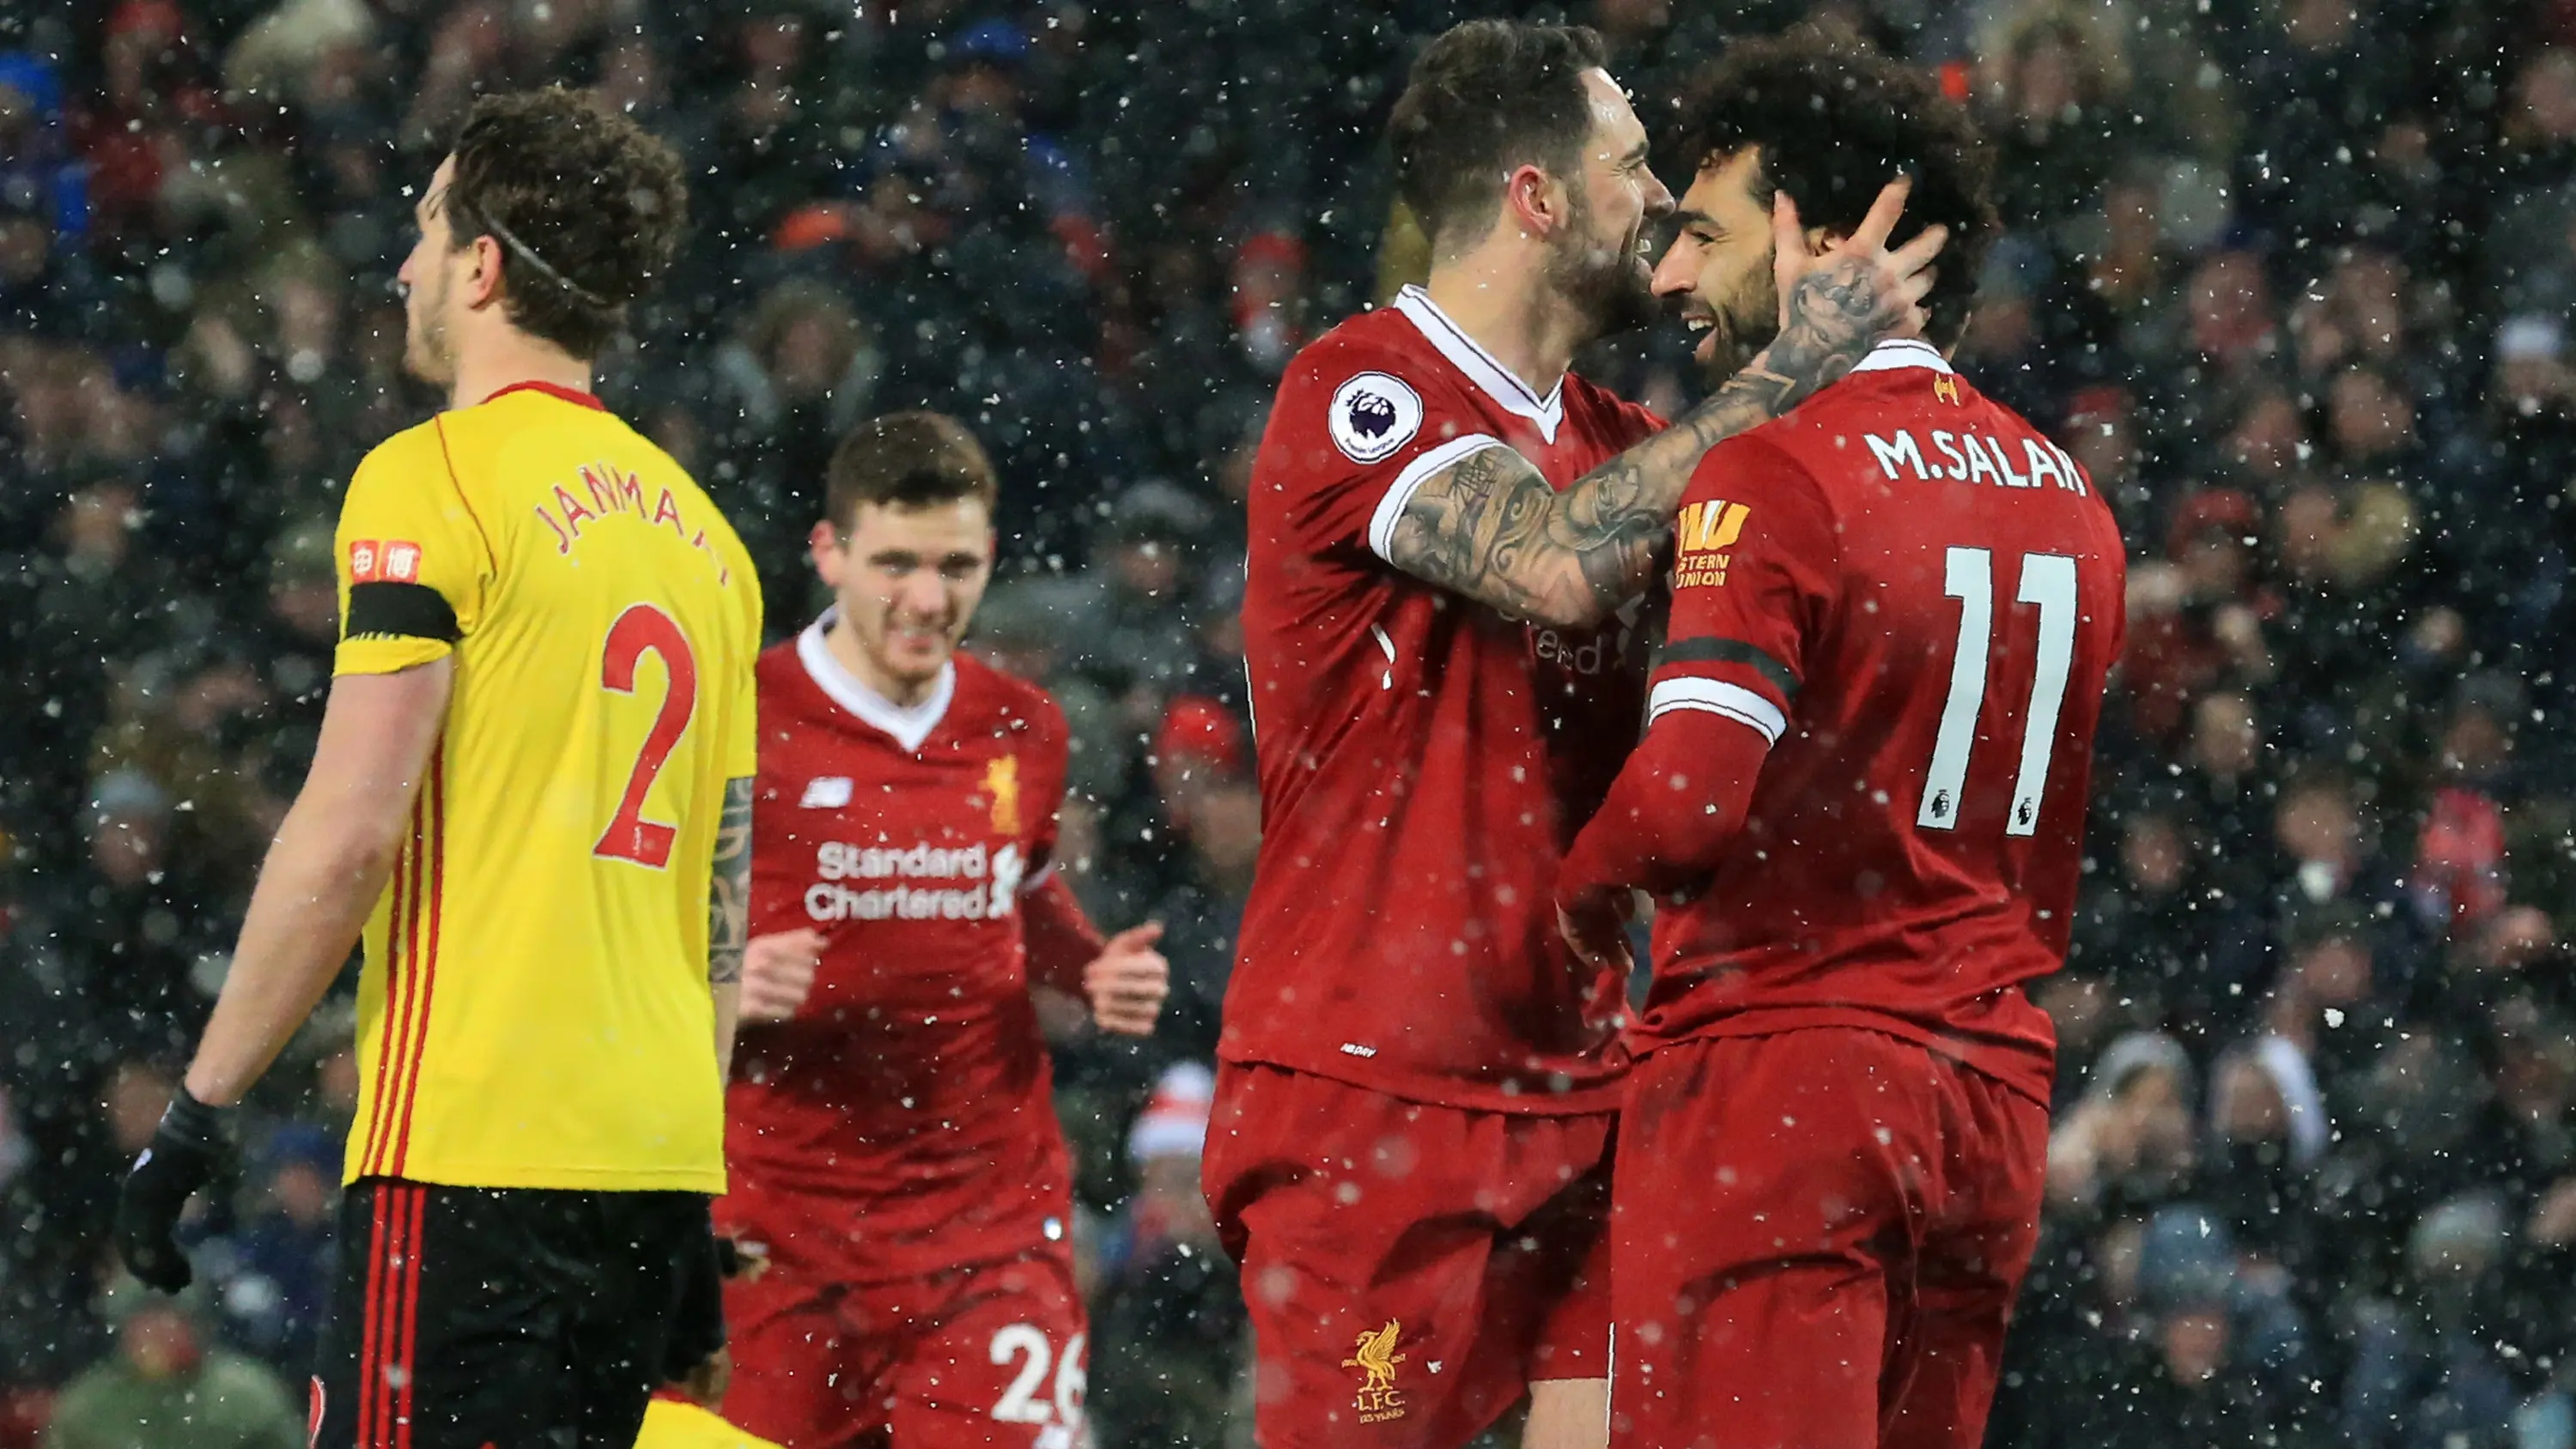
x=672 y=1424
x=534 y=1010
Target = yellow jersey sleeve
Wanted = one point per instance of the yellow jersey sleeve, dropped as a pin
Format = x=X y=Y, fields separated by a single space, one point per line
x=413 y=565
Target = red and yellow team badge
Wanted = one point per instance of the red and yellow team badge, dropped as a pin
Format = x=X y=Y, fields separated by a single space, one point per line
x=1946 y=388
x=1701 y=536
x=1002 y=788
x=1374 y=1355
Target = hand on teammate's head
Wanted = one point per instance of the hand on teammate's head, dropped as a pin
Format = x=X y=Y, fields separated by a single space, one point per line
x=1897 y=280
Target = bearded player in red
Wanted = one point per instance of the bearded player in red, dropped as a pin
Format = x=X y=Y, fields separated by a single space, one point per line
x=1407 y=1154
x=1860 y=800
x=891 y=1131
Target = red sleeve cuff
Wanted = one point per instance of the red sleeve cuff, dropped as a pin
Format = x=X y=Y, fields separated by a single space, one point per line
x=1674 y=809
x=1060 y=936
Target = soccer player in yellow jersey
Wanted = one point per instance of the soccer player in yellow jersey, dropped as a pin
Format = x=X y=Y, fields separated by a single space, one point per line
x=532 y=796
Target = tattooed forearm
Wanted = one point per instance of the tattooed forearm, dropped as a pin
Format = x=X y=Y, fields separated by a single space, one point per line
x=1490 y=527
x=729 y=890
x=729 y=917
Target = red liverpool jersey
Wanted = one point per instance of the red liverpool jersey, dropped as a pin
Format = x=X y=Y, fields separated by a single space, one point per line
x=1915 y=597
x=1424 y=760
x=912 y=1087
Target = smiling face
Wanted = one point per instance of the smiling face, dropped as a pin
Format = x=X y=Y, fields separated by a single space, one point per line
x=1718 y=269
x=907 y=580
x=1597 y=261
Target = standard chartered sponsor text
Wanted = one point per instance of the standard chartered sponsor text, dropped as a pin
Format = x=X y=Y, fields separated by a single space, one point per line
x=998 y=871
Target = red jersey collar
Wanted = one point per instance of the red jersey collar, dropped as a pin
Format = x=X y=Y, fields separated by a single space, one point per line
x=572 y=395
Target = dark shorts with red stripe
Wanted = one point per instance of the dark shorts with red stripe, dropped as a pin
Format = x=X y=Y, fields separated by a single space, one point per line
x=463 y=1317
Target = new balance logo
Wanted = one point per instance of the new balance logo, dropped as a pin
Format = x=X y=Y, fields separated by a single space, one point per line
x=830 y=792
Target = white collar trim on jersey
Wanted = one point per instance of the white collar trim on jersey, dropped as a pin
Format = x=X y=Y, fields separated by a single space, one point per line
x=1482 y=368
x=1898 y=352
x=910 y=724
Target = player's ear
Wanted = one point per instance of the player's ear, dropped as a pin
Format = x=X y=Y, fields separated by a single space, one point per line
x=483 y=284
x=823 y=545
x=1533 y=201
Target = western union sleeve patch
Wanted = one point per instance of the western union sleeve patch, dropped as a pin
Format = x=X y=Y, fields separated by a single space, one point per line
x=1702 y=534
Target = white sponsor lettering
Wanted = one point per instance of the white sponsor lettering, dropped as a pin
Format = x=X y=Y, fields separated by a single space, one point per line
x=1988 y=460
x=994 y=896
x=841 y=860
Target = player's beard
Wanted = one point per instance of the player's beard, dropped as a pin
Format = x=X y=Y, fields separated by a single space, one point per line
x=913 y=666
x=1748 y=319
x=1607 y=283
x=426 y=353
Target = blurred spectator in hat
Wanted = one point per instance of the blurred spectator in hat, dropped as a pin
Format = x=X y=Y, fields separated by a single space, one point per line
x=1170 y=1298
x=2425 y=1369
x=47 y=288
x=2223 y=785
x=303 y=622
x=2124 y=294
x=143 y=124
x=1203 y=772
x=1127 y=621
x=2523 y=252
x=35 y=146
x=2266 y=445
x=1269 y=285
x=130 y=921
x=1021 y=628
x=2128 y=1143
x=2318 y=85
x=2370 y=424
x=272 y=1274
x=2102 y=432
x=2055 y=106
x=2268 y=1132
x=2186 y=1379
x=799 y=370
x=2459 y=879
x=2009 y=336
x=2196 y=617
x=2229 y=300
x=2142 y=930
x=170 y=1386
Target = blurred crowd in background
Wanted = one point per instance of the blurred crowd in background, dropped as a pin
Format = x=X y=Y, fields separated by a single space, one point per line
x=2294 y=278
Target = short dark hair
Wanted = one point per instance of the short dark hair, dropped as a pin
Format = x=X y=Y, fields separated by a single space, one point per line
x=587 y=207
x=1488 y=96
x=907 y=460
x=1835 y=123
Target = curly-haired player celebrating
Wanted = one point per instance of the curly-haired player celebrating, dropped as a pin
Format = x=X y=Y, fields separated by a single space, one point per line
x=531 y=799
x=1861 y=797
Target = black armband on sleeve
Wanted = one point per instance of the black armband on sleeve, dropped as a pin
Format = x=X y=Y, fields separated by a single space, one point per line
x=379 y=610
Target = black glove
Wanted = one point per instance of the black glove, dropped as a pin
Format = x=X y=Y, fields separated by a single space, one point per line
x=697 y=1319
x=182 y=1157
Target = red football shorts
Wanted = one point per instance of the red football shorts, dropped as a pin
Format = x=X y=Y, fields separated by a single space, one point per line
x=1817 y=1242
x=978 y=1357
x=1410 y=1269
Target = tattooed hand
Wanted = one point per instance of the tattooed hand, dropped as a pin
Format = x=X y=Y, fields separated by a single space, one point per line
x=1836 y=306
